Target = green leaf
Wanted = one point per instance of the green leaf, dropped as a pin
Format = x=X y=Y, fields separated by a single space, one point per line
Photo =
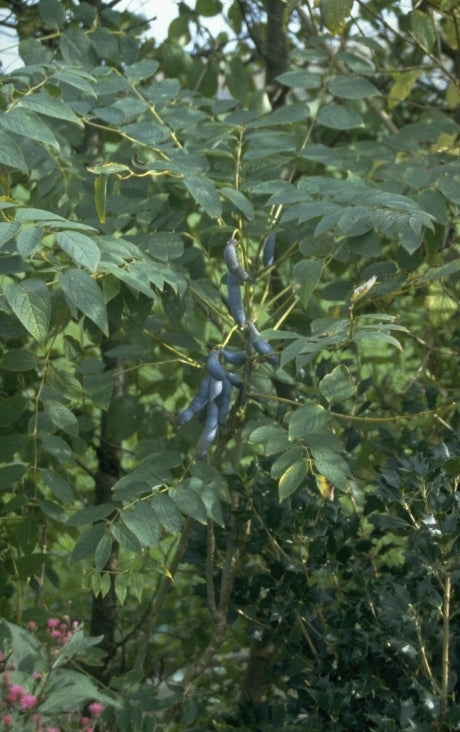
x=80 y=248
x=143 y=522
x=82 y=292
x=208 y=8
x=77 y=645
x=121 y=587
x=29 y=125
x=103 y=552
x=141 y=70
x=30 y=302
x=291 y=479
x=300 y=79
x=90 y=514
x=78 y=79
x=338 y=385
x=29 y=241
x=19 y=359
x=350 y=86
x=333 y=466
x=339 y=117
x=100 y=196
x=285 y=115
x=335 y=14
x=310 y=417
x=67 y=689
x=60 y=488
x=43 y=103
x=188 y=501
x=126 y=539
x=203 y=192
x=148 y=133
x=27 y=655
x=86 y=544
x=239 y=200
x=423 y=28
x=307 y=273
x=10 y=153
x=321 y=154
x=99 y=388
x=449 y=185
x=61 y=416
x=77 y=49
x=281 y=464
x=52 y=13
x=12 y=474
x=165 y=246
x=167 y=512
x=272 y=436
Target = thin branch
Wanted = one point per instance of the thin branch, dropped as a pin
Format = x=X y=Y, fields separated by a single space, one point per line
x=162 y=593
x=445 y=642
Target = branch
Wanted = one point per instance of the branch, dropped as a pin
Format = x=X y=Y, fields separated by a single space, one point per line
x=161 y=594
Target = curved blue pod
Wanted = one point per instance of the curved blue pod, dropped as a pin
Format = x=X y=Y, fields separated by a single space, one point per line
x=214 y=366
x=234 y=379
x=235 y=300
x=234 y=357
x=260 y=345
x=197 y=403
x=223 y=401
x=232 y=262
x=215 y=388
x=268 y=253
x=209 y=432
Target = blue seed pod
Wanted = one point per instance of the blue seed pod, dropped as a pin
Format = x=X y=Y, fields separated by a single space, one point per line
x=184 y=416
x=235 y=357
x=215 y=388
x=234 y=379
x=197 y=403
x=232 y=262
x=223 y=401
x=268 y=254
x=260 y=345
x=209 y=432
x=235 y=300
x=214 y=366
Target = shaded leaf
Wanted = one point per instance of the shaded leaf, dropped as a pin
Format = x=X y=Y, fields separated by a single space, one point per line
x=82 y=292
x=30 y=302
x=339 y=117
x=291 y=479
x=203 y=192
x=80 y=248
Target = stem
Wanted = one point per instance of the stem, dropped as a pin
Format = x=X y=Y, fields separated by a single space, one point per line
x=161 y=595
x=445 y=642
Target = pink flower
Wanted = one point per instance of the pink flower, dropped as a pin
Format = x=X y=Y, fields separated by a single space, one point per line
x=36 y=675
x=53 y=623
x=27 y=701
x=53 y=729
x=15 y=693
x=7 y=719
x=95 y=708
x=32 y=626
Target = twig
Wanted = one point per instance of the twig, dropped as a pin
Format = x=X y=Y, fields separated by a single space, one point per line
x=161 y=594
x=445 y=642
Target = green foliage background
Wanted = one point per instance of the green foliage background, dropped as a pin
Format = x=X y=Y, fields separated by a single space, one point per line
x=305 y=575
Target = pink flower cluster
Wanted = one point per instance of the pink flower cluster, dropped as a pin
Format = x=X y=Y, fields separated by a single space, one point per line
x=15 y=699
x=60 y=630
x=17 y=695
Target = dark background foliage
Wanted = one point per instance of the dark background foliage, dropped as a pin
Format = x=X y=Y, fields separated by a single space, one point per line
x=301 y=571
